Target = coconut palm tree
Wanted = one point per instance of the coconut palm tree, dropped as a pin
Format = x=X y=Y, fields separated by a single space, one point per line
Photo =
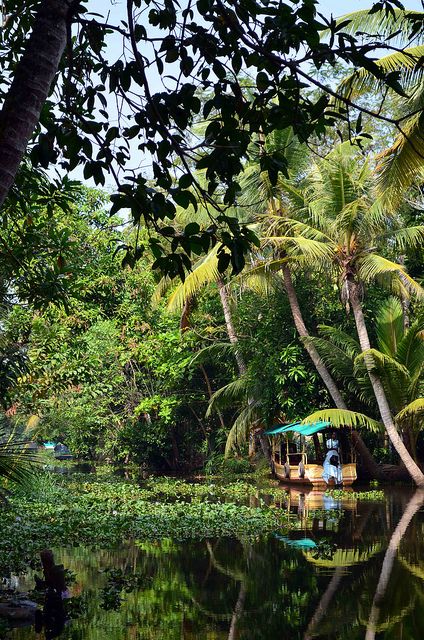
x=337 y=230
x=399 y=359
x=403 y=161
x=264 y=200
x=206 y=271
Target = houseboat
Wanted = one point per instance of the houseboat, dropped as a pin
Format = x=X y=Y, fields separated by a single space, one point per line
x=321 y=462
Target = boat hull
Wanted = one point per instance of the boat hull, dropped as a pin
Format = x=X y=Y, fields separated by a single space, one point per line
x=313 y=474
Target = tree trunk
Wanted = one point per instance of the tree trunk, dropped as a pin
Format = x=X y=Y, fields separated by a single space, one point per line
x=223 y=293
x=303 y=333
x=30 y=86
x=325 y=375
x=241 y=364
x=380 y=395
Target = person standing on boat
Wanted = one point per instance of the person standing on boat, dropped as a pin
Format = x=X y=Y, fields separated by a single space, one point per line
x=332 y=442
x=332 y=466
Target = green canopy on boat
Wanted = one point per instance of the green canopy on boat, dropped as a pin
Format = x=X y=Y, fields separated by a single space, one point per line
x=297 y=427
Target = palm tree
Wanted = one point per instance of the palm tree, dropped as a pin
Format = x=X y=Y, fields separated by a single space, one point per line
x=338 y=229
x=274 y=198
x=403 y=161
x=206 y=271
x=398 y=358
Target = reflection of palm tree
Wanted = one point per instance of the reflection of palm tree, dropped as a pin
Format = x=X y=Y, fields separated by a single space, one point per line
x=238 y=610
x=240 y=577
x=413 y=506
x=324 y=603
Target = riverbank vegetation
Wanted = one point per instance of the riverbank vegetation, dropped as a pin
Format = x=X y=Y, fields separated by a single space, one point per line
x=291 y=287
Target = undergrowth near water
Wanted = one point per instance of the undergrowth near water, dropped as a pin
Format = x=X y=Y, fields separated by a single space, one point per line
x=68 y=511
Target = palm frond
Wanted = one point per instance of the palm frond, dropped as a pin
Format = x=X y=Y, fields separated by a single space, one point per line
x=381 y=361
x=261 y=281
x=341 y=339
x=414 y=409
x=373 y=266
x=389 y=326
x=408 y=238
x=214 y=352
x=381 y=24
x=228 y=395
x=292 y=227
x=335 y=358
x=17 y=461
x=205 y=272
x=402 y=163
x=410 y=349
x=313 y=251
x=161 y=288
x=239 y=432
x=344 y=418
x=363 y=81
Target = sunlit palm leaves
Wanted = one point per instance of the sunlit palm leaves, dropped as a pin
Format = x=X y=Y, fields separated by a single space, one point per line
x=383 y=23
x=403 y=70
x=344 y=418
x=17 y=461
x=342 y=223
x=398 y=359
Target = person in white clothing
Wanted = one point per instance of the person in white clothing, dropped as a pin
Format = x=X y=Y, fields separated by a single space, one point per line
x=332 y=465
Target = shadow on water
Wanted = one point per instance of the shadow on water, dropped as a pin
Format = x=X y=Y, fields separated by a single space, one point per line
x=350 y=570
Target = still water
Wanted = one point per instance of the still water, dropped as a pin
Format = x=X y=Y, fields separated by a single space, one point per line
x=355 y=570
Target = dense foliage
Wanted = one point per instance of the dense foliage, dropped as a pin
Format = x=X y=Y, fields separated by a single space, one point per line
x=258 y=66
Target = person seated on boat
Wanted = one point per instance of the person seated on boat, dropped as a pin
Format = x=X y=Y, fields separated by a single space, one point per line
x=332 y=467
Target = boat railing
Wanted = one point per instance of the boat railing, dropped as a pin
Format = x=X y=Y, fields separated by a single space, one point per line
x=299 y=456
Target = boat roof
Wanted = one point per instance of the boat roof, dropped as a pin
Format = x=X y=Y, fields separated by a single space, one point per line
x=298 y=427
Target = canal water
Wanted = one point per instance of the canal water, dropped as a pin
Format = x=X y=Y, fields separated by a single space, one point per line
x=350 y=569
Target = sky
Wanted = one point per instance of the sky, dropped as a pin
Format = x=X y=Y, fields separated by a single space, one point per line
x=336 y=7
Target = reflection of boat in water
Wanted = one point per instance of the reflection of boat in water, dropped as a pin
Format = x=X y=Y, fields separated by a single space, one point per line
x=296 y=467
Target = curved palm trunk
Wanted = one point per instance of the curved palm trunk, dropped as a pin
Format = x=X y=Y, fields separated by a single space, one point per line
x=412 y=507
x=238 y=610
x=31 y=85
x=380 y=395
x=310 y=348
x=232 y=335
x=223 y=293
x=326 y=376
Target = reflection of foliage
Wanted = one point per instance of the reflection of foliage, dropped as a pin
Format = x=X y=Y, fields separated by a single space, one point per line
x=340 y=494
x=324 y=550
x=117 y=582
